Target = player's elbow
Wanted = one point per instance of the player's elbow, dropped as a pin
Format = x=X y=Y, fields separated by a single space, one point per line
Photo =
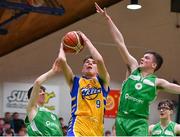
x=37 y=82
x=62 y=60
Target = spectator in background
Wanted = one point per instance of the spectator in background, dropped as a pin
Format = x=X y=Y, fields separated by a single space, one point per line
x=1 y=126
x=6 y=126
x=9 y=132
x=22 y=132
x=7 y=117
x=16 y=123
x=107 y=133
x=165 y=127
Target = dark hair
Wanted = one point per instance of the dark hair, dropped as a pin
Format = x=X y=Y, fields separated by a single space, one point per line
x=7 y=113
x=107 y=132
x=7 y=122
x=86 y=58
x=15 y=113
x=9 y=131
x=30 y=91
x=166 y=102
x=158 y=59
x=61 y=118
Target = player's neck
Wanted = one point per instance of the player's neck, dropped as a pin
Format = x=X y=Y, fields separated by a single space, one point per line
x=40 y=105
x=165 y=122
x=89 y=76
x=145 y=73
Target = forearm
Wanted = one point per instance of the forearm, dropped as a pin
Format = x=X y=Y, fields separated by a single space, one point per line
x=44 y=77
x=113 y=29
x=116 y=34
x=67 y=71
x=118 y=38
x=36 y=89
x=93 y=51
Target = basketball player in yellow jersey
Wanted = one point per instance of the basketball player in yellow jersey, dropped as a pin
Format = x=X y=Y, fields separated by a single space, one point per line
x=88 y=93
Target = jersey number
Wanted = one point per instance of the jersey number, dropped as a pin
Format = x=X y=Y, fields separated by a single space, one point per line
x=98 y=103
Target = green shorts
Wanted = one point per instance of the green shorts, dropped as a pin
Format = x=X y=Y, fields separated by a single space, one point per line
x=131 y=126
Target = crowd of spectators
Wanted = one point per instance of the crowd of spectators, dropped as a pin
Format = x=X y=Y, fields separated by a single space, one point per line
x=12 y=125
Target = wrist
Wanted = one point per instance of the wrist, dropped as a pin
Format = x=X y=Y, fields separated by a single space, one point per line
x=86 y=40
x=107 y=17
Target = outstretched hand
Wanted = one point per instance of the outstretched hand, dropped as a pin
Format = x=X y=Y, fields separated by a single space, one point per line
x=101 y=11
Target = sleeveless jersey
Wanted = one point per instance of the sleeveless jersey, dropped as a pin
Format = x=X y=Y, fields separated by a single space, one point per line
x=45 y=123
x=137 y=93
x=88 y=106
x=168 y=131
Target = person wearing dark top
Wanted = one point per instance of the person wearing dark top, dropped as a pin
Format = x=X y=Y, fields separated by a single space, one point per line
x=16 y=122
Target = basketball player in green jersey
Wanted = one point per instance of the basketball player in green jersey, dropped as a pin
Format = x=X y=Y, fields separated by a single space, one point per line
x=140 y=87
x=166 y=127
x=40 y=121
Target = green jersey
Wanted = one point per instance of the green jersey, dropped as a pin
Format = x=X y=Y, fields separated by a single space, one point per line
x=137 y=93
x=45 y=123
x=168 y=131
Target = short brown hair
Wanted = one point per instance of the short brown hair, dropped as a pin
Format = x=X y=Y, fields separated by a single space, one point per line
x=86 y=58
x=167 y=102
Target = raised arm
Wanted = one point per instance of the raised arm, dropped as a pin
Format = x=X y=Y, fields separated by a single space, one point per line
x=37 y=84
x=65 y=67
x=168 y=86
x=102 y=71
x=129 y=60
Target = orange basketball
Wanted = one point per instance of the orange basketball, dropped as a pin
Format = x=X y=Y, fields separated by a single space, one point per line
x=73 y=42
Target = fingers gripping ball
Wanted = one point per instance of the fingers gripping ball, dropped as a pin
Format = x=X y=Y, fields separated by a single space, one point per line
x=73 y=42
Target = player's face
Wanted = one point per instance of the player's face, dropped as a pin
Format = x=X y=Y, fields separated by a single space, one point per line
x=41 y=97
x=89 y=68
x=164 y=112
x=147 y=61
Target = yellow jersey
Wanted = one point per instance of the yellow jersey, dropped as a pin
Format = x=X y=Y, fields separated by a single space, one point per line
x=88 y=106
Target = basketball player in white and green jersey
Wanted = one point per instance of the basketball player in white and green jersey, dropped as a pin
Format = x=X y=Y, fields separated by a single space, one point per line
x=39 y=120
x=166 y=127
x=140 y=87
